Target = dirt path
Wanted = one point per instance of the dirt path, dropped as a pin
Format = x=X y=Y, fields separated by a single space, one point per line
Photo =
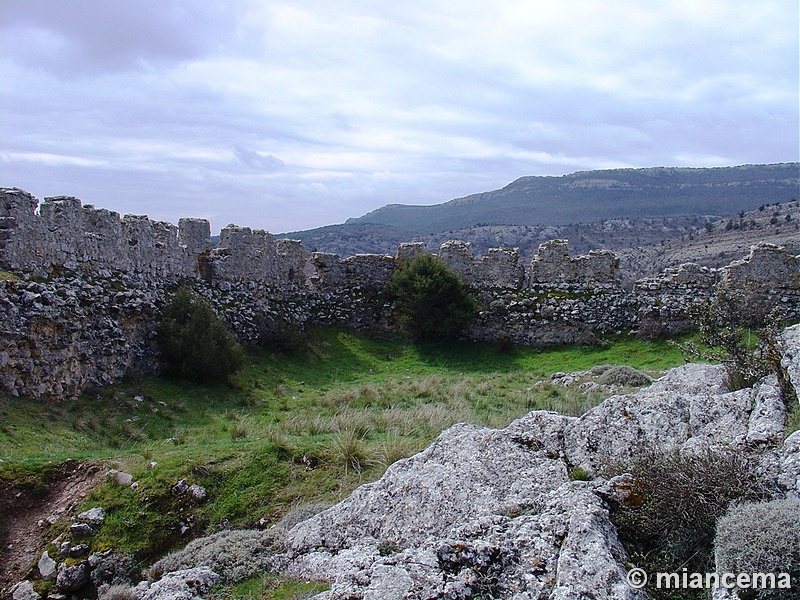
x=22 y=511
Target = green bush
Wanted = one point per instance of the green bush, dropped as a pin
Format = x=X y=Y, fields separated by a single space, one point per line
x=761 y=537
x=430 y=301
x=624 y=375
x=194 y=343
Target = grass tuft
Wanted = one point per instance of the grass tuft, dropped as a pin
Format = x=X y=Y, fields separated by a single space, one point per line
x=295 y=428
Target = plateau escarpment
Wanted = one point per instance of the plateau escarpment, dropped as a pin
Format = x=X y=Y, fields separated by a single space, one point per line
x=83 y=288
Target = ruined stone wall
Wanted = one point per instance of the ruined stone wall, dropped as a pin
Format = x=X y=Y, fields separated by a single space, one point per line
x=64 y=234
x=499 y=268
x=72 y=332
x=769 y=275
x=83 y=290
x=553 y=265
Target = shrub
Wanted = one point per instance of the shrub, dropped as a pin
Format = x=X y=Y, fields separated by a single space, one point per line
x=194 y=343
x=726 y=323
x=624 y=375
x=234 y=554
x=676 y=500
x=761 y=537
x=430 y=301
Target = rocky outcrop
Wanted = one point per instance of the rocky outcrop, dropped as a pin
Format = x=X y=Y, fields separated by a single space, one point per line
x=188 y=584
x=480 y=512
x=494 y=513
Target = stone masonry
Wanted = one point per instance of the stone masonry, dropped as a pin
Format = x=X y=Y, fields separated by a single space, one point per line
x=82 y=289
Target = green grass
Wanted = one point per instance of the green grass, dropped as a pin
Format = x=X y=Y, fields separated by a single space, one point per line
x=270 y=587
x=293 y=428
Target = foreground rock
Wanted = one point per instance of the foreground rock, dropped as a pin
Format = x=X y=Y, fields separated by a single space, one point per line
x=188 y=584
x=493 y=513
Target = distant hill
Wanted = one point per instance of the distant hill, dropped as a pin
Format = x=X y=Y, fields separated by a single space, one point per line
x=589 y=196
x=619 y=208
x=717 y=243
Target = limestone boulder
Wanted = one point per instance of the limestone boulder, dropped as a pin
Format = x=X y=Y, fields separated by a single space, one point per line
x=187 y=584
x=468 y=472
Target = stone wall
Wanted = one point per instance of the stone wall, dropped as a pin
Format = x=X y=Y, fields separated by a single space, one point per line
x=63 y=234
x=83 y=290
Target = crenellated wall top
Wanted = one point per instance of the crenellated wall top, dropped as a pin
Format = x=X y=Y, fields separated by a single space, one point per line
x=62 y=233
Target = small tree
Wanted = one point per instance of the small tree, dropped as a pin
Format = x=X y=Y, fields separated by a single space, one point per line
x=742 y=332
x=430 y=301
x=194 y=343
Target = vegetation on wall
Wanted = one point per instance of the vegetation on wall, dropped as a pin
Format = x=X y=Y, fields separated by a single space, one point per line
x=194 y=344
x=741 y=330
x=430 y=300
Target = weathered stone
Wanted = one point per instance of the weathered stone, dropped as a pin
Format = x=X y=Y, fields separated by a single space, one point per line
x=244 y=255
x=77 y=551
x=466 y=473
x=179 y=489
x=687 y=408
x=767 y=265
x=553 y=540
x=766 y=423
x=24 y=591
x=458 y=257
x=501 y=268
x=94 y=516
x=72 y=579
x=197 y=492
x=188 y=584
x=553 y=264
x=788 y=456
x=123 y=478
x=294 y=263
x=47 y=566
x=791 y=355
x=81 y=530
x=407 y=251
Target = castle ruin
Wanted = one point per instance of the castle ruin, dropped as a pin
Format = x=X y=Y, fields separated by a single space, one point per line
x=83 y=289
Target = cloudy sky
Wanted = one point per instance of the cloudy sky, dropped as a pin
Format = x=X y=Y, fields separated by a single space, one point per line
x=287 y=115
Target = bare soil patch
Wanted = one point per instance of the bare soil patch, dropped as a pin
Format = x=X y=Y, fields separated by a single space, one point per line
x=27 y=510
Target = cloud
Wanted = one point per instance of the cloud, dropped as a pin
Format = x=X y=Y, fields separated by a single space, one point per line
x=256 y=160
x=96 y=36
x=309 y=113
